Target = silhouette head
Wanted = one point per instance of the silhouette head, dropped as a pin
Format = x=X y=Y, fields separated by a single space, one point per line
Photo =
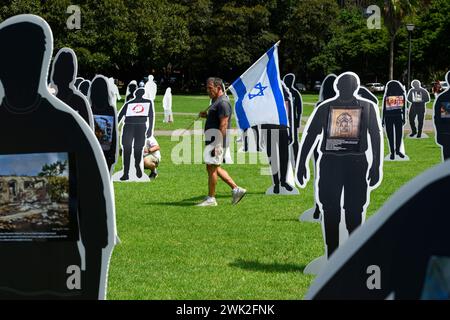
x=150 y=78
x=84 y=87
x=99 y=93
x=347 y=84
x=78 y=80
x=132 y=87
x=168 y=90
x=64 y=68
x=139 y=93
x=394 y=87
x=289 y=80
x=415 y=84
x=24 y=59
x=327 y=88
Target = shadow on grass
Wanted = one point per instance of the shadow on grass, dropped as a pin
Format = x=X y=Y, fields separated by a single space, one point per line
x=191 y=201
x=267 y=267
x=287 y=220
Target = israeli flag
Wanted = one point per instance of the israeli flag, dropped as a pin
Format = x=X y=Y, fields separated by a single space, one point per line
x=258 y=93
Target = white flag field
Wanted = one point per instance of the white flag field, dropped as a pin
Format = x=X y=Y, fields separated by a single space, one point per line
x=258 y=93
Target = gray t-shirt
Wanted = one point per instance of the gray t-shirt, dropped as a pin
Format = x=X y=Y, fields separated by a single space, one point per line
x=221 y=107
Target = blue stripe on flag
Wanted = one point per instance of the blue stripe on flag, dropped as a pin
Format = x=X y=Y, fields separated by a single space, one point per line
x=241 y=91
x=272 y=72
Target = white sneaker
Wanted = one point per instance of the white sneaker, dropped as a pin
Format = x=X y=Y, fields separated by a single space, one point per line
x=238 y=194
x=208 y=202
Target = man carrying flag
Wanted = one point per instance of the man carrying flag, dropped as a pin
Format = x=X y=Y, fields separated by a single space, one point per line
x=260 y=101
x=218 y=122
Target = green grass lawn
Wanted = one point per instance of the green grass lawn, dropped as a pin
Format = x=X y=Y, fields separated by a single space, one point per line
x=255 y=250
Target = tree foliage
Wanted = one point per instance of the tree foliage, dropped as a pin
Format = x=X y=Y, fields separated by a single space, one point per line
x=129 y=39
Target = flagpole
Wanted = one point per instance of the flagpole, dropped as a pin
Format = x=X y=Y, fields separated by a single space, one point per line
x=275 y=45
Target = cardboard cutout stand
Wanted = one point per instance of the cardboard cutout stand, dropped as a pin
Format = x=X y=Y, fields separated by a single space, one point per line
x=326 y=92
x=167 y=106
x=297 y=109
x=115 y=95
x=105 y=120
x=78 y=81
x=131 y=88
x=65 y=67
x=441 y=118
x=52 y=245
x=349 y=166
x=418 y=98
x=397 y=253
x=150 y=89
x=251 y=141
x=278 y=141
x=363 y=92
x=84 y=87
x=139 y=115
x=394 y=119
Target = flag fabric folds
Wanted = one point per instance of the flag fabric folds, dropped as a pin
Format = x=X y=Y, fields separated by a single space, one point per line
x=258 y=93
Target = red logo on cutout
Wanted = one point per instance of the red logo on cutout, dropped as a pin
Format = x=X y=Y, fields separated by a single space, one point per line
x=139 y=108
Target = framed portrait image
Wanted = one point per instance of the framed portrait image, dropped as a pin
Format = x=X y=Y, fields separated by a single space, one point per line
x=104 y=126
x=344 y=129
x=35 y=197
x=394 y=103
x=445 y=109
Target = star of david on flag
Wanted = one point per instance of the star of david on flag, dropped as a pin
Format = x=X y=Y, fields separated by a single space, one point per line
x=259 y=95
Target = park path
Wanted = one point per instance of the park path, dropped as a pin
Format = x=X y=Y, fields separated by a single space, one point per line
x=428 y=127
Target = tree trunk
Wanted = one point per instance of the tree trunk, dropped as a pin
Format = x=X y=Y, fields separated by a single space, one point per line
x=391 y=58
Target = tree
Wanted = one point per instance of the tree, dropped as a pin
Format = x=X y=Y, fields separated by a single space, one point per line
x=395 y=12
x=53 y=169
x=353 y=47
x=310 y=29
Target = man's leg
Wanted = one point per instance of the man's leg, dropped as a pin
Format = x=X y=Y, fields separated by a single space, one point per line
x=149 y=164
x=212 y=179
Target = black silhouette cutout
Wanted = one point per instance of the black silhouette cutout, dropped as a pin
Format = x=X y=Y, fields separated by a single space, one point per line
x=326 y=92
x=131 y=88
x=137 y=113
x=363 y=92
x=441 y=109
x=297 y=108
x=62 y=77
x=278 y=140
x=84 y=87
x=41 y=123
x=394 y=116
x=105 y=120
x=340 y=127
x=256 y=133
x=78 y=81
x=418 y=97
x=396 y=245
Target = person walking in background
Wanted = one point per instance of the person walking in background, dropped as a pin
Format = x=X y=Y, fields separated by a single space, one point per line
x=218 y=121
